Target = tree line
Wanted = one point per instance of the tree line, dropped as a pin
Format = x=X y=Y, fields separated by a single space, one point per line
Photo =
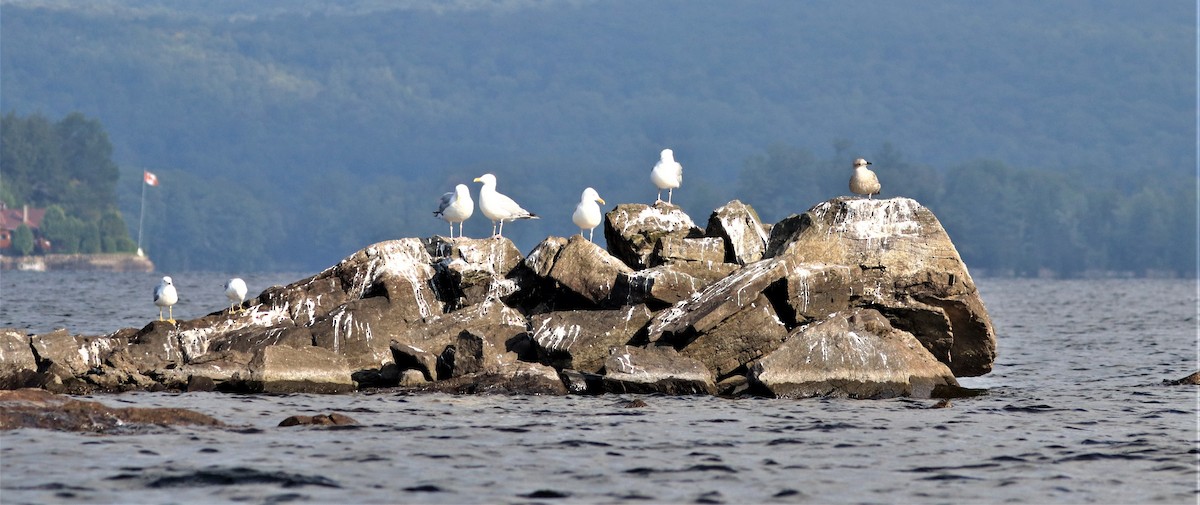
x=65 y=167
x=1008 y=220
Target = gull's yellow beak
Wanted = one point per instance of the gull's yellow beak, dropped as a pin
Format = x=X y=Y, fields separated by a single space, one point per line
x=477 y=180
x=598 y=199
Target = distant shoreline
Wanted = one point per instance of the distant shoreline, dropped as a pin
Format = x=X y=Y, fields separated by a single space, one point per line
x=87 y=262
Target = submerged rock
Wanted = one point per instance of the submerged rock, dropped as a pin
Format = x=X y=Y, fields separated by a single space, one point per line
x=36 y=408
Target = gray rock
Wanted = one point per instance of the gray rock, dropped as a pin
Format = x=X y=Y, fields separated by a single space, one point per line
x=409 y=358
x=669 y=283
x=739 y=226
x=472 y=271
x=633 y=231
x=902 y=262
x=716 y=303
x=494 y=320
x=581 y=340
x=282 y=369
x=855 y=354
x=655 y=370
x=18 y=368
x=746 y=335
x=587 y=270
x=515 y=377
x=75 y=354
x=705 y=250
x=475 y=353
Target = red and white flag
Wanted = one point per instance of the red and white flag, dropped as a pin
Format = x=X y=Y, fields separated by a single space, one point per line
x=150 y=178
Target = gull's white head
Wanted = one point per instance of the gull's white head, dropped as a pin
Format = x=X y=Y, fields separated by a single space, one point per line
x=861 y=163
x=590 y=195
x=461 y=190
x=667 y=155
x=486 y=179
x=166 y=280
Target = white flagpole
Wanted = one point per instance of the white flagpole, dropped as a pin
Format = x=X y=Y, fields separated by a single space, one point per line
x=141 y=215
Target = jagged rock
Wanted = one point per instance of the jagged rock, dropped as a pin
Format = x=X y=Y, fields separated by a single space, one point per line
x=516 y=377
x=700 y=313
x=18 y=367
x=472 y=271
x=282 y=369
x=670 y=283
x=35 y=408
x=904 y=264
x=582 y=383
x=633 y=231
x=360 y=331
x=76 y=354
x=219 y=367
x=492 y=319
x=744 y=336
x=587 y=270
x=705 y=250
x=655 y=370
x=857 y=354
x=408 y=358
x=475 y=353
x=739 y=226
x=581 y=339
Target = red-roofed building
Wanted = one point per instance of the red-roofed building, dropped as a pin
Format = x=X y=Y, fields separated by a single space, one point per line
x=11 y=219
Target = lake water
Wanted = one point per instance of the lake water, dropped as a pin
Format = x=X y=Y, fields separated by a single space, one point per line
x=1075 y=413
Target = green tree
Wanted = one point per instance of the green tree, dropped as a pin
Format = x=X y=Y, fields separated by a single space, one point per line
x=22 y=241
x=114 y=234
x=61 y=230
x=90 y=242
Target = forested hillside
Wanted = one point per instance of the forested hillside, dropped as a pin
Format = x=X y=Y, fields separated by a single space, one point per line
x=65 y=167
x=287 y=134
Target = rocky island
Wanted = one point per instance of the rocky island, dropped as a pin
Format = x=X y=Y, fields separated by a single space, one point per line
x=855 y=298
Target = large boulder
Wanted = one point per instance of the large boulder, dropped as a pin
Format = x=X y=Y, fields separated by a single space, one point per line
x=854 y=354
x=282 y=369
x=18 y=367
x=630 y=369
x=633 y=231
x=587 y=270
x=472 y=271
x=902 y=262
x=580 y=339
x=740 y=228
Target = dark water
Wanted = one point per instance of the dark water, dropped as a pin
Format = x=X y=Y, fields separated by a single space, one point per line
x=1076 y=413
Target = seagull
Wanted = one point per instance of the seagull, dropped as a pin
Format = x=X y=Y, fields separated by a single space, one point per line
x=667 y=174
x=587 y=213
x=456 y=207
x=165 y=296
x=498 y=207
x=864 y=182
x=235 y=291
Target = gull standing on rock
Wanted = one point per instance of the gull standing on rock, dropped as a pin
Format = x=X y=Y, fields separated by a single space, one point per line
x=498 y=207
x=235 y=291
x=587 y=213
x=864 y=181
x=667 y=174
x=456 y=207
x=165 y=296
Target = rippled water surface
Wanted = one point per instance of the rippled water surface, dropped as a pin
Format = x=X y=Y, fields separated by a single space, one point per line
x=1075 y=412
